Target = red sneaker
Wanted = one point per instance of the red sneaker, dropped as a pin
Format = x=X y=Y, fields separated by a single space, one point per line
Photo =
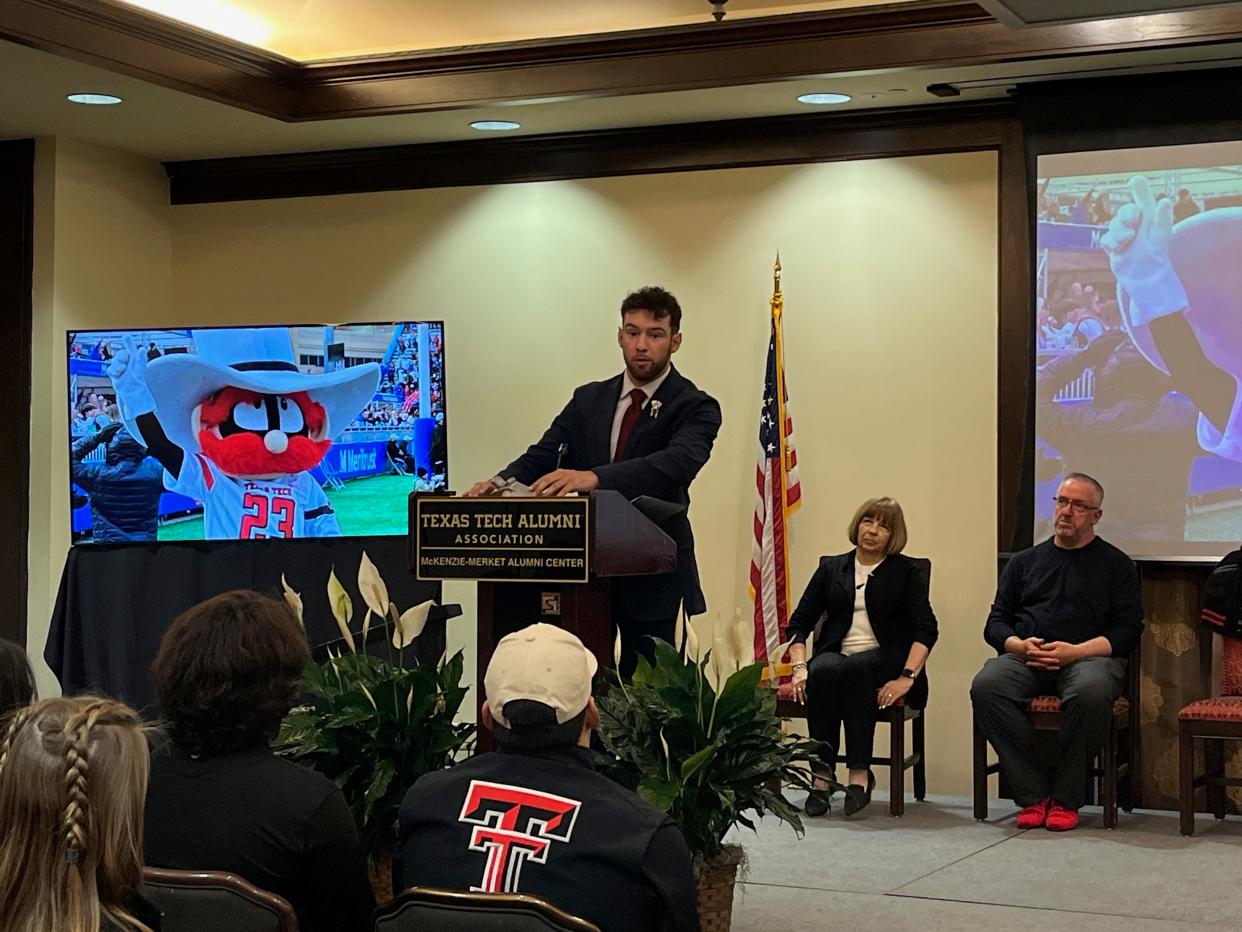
x=1061 y=819
x=1034 y=815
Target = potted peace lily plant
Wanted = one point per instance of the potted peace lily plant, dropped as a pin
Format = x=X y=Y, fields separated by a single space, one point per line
x=376 y=724
x=698 y=737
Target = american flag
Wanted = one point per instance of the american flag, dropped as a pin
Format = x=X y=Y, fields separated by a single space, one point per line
x=778 y=495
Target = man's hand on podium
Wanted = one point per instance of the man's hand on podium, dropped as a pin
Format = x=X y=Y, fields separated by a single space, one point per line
x=486 y=487
x=566 y=482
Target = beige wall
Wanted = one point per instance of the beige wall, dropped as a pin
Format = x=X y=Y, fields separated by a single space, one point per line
x=103 y=254
x=890 y=284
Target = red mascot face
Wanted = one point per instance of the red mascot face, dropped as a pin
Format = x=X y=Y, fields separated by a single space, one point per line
x=251 y=435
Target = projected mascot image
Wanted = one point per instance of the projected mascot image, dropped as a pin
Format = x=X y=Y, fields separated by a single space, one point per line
x=1179 y=287
x=237 y=427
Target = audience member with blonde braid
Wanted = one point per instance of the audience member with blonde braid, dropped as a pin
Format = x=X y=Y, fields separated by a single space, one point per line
x=73 y=776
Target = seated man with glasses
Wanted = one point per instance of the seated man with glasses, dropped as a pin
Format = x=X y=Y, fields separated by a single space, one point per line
x=1066 y=615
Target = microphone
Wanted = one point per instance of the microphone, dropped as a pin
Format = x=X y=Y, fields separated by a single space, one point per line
x=561 y=450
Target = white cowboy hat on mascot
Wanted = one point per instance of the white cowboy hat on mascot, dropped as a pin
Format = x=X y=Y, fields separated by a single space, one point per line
x=256 y=359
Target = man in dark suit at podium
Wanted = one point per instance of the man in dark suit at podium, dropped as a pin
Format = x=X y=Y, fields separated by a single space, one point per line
x=645 y=432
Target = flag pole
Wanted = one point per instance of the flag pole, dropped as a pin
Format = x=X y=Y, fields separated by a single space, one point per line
x=778 y=309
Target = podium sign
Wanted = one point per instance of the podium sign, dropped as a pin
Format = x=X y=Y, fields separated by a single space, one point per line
x=501 y=539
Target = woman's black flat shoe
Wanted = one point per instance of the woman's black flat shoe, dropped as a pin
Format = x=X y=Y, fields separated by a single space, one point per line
x=818 y=803
x=856 y=797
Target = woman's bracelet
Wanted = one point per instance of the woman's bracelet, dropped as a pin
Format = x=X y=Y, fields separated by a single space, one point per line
x=800 y=663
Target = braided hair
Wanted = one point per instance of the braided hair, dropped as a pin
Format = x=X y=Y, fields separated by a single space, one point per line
x=73 y=775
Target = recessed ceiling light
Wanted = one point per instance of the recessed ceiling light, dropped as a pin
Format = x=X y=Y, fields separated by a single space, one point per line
x=822 y=99
x=495 y=125
x=99 y=100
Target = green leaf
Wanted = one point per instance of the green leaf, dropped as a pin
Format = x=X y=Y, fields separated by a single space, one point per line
x=695 y=761
x=659 y=793
x=718 y=778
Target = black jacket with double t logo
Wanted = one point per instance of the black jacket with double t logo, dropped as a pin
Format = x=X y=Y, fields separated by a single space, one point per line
x=544 y=822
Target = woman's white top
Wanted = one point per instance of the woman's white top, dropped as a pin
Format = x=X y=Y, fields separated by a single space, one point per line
x=860 y=637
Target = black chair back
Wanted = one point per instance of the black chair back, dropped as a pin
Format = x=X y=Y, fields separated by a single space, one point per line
x=422 y=908
x=212 y=901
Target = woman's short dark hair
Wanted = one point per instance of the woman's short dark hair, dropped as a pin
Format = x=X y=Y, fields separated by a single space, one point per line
x=888 y=512
x=228 y=671
x=17 y=686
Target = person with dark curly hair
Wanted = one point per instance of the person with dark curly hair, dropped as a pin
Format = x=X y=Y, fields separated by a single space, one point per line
x=17 y=685
x=226 y=673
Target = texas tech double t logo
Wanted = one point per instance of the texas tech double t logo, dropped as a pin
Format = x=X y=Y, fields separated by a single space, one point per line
x=514 y=825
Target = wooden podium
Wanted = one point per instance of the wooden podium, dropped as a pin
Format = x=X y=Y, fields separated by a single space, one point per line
x=537 y=559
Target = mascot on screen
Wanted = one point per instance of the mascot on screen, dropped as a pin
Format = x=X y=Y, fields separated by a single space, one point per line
x=237 y=427
x=1179 y=287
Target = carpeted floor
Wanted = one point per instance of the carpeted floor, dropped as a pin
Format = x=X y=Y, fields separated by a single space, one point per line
x=936 y=868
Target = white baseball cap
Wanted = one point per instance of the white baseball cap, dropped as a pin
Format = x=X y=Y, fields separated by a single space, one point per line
x=542 y=663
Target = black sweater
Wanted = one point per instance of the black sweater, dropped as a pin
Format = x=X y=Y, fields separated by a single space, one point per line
x=1068 y=595
x=280 y=826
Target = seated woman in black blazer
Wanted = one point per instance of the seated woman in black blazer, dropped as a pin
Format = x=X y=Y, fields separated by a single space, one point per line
x=878 y=630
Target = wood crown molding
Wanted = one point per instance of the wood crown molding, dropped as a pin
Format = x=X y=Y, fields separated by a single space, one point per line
x=925 y=34
x=814 y=137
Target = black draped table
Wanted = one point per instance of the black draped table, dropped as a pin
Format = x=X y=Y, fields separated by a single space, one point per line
x=116 y=600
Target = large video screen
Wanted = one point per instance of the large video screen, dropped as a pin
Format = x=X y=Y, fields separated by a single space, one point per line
x=1139 y=343
x=255 y=432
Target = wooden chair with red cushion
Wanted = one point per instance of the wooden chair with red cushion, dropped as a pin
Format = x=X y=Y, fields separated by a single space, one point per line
x=1117 y=771
x=1214 y=720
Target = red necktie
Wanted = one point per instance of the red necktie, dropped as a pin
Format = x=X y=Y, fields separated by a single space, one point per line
x=628 y=420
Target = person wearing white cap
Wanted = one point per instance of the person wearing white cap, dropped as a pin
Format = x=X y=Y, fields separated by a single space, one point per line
x=534 y=816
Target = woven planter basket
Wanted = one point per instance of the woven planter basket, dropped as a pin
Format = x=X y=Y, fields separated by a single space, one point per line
x=716 y=882
x=381 y=877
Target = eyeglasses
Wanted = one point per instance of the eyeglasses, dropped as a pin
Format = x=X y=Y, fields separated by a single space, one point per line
x=1080 y=508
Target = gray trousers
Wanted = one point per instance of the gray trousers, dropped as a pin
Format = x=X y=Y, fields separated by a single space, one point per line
x=1087 y=688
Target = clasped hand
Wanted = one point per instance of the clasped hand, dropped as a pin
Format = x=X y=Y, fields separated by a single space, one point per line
x=1050 y=655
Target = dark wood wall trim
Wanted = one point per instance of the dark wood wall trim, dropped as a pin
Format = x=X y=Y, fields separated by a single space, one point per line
x=1015 y=358
x=143 y=45
x=16 y=267
x=645 y=150
x=933 y=33
x=732 y=144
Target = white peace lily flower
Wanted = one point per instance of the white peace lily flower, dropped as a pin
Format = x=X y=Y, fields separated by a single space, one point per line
x=410 y=625
x=293 y=598
x=372 y=587
x=739 y=640
x=721 y=659
x=692 y=641
x=342 y=608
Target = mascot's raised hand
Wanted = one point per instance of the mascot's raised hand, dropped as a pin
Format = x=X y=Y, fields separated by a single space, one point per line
x=128 y=372
x=1137 y=244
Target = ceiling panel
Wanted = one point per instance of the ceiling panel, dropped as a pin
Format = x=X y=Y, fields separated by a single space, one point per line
x=1047 y=12
x=307 y=30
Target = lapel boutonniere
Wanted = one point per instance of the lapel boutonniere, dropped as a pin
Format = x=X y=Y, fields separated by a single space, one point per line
x=654 y=407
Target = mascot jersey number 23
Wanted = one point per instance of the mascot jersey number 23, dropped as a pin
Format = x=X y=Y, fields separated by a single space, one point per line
x=237 y=427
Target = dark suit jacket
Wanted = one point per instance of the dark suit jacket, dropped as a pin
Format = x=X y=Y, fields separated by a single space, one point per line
x=665 y=452
x=897 y=606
